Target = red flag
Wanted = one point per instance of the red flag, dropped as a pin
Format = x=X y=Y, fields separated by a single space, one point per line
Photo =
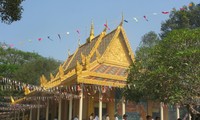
x=39 y=39
x=165 y=12
x=106 y=26
x=78 y=31
x=145 y=17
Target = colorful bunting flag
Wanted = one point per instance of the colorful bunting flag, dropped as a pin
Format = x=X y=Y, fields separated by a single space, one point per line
x=155 y=13
x=49 y=38
x=39 y=39
x=126 y=21
x=136 y=20
x=11 y=45
x=190 y=5
x=165 y=12
x=59 y=36
x=78 y=31
x=106 y=26
x=145 y=17
x=182 y=8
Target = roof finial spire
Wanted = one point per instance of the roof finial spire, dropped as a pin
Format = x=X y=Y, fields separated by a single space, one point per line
x=79 y=43
x=92 y=29
x=106 y=26
x=68 y=52
x=122 y=21
x=91 y=32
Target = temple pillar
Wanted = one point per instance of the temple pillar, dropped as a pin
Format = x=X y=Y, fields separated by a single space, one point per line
x=70 y=108
x=177 y=112
x=111 y=109
x=15 y=116
x=161 y=111
x=81 y=104
x=123 y=106
x=38 y=111
x=30 y=114
x=100 y=105
x=19 y=115
x=90 y=106
x=166 y=112
x=23 y=115
x=189 y=116
x=47 y=110
x=59 y=108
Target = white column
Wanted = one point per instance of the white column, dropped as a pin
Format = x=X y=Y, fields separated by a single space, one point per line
x=123 y=106
x=19 y=115
x=47 y=110
x=15 y=115
x=31 y=111
x=100 y=105
x=177 y=112
x=161 y=111
x=190 y=117
x=81 y=105
x=38 y=111
x=23 y=115
x=70 y=108
x=59 y=108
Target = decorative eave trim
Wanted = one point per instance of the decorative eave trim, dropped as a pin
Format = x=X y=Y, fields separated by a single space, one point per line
x=127 y=44
x=97 y=44
x=114 y=37
x=99 y=82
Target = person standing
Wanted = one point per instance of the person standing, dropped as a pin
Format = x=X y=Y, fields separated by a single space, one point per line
x=91 y=116
x=116 y=118
x=124 y=117
x=76 y=118
x=157 y=118
x=96 y=117
x=107 y=117
x=148 y=117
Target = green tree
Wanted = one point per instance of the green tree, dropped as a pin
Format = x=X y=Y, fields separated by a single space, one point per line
x=142 y=58
x=187 y=17
x=11 y=59
x=31 y=72
x=149 y=40
x=10 y=10
x=172 y=74
x=25 y=66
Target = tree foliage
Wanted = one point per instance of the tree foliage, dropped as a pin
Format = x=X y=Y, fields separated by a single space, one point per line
x=172 y=73
x=25 y=66
x=186 y=17
x=10 y=10
x=149 y=40
x=31 y=71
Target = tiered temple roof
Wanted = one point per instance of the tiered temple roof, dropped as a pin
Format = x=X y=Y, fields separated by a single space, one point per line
x=102 y=60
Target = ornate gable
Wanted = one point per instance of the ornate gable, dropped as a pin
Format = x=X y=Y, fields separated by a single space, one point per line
x=117 y=52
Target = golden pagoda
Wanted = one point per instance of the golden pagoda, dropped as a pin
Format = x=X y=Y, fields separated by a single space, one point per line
x=101 y=62
x=88 y=81
x=91 y=80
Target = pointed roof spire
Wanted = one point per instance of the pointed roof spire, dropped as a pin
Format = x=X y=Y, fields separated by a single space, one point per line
x=122 y=21
x=106 y=27
x=92 y=29
x=91 y=32
x=79 y=43
x=68 y=52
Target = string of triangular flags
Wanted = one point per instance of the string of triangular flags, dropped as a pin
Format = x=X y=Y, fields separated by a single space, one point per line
x=60 y=36
x=11 y=85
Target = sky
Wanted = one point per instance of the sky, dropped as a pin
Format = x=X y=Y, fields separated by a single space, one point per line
x=49 y=27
